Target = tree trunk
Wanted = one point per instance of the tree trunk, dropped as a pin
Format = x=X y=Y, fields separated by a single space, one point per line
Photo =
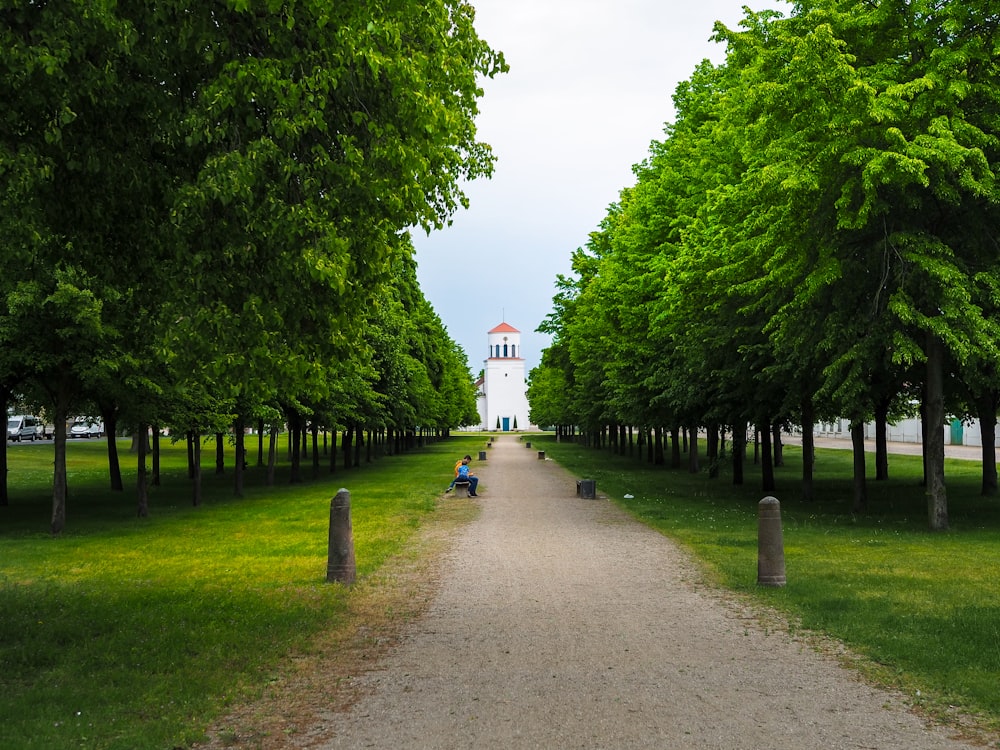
x=808 y=449
x=881 y=442
x=987 y=408
x=260 y=442
x=142 y=488
x=860 y=485
x=923 y=435
x=220 y=453
x=314 y=434
x=693 y=452
x=156 y=456
x=658 y=446
x=739 y=452
x=779 y=453
x=5 y=396
x=937 y=496
x=239 y=457
x=712 y=451
x=295 y=470
x=190 y=452
x=675 y=447
x=272 y=453
x=114 y=462
x=59 y=474
x=4 y=492
x=346 y=438
x=195 y=439
x=766 y=465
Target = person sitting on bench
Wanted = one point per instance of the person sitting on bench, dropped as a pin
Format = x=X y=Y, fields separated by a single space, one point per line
x=463 y=476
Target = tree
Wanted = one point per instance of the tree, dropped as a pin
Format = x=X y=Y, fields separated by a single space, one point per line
x=78 y=144
x=204 y=199
x=813 y=237
x=880 y=146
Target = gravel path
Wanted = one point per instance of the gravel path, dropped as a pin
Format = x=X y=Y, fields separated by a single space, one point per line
x=559 y=622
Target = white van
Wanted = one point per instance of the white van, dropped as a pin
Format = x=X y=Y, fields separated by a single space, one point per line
x=25 y=427
x=85 y=427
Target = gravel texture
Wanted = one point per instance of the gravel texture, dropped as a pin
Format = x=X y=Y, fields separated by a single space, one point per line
x=560 y=622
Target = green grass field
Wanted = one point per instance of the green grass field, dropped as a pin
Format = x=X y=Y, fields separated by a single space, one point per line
x=137 y=633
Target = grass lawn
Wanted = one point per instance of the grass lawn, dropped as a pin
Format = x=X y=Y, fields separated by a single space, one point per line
x=922 y=607
x=136 y=633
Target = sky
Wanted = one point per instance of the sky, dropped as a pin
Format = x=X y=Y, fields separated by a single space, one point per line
x=590 y=87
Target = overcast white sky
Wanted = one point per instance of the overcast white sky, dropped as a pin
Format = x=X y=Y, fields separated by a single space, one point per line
x=589 y=87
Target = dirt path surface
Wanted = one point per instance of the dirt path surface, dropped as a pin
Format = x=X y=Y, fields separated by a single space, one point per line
x=559 y=622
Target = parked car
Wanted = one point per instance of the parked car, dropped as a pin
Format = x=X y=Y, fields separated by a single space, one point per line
x=25 y=427
x=85 y=428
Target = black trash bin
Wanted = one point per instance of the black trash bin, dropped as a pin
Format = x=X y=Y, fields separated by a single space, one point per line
x=482 y=455
x=588 y=488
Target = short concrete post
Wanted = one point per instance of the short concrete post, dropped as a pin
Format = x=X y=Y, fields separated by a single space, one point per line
x=541 y=454
x=340 y=565
x=770 y=546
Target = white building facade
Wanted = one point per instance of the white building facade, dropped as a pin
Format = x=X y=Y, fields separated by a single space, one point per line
x=503 y=390
x=909 y=431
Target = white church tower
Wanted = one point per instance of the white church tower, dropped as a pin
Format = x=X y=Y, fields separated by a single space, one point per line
x=503 y=398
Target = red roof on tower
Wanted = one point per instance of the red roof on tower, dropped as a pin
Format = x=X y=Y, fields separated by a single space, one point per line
x=505 y=328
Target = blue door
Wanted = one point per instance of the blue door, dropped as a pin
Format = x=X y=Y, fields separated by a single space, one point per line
x=506 y=424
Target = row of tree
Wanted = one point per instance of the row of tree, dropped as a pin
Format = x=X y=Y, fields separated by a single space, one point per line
x=204 y=211
x=815 y=237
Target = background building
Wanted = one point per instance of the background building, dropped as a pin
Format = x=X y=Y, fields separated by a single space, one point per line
x=503 y=398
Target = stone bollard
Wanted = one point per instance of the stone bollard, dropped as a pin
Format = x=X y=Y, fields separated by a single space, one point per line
x=340 y=565
x=770 y=546
x=588 y=488
x=482 y=455
x=541 y=454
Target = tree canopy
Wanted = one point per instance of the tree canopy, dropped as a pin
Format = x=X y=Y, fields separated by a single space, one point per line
x=814 y=237
x=204 y=208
